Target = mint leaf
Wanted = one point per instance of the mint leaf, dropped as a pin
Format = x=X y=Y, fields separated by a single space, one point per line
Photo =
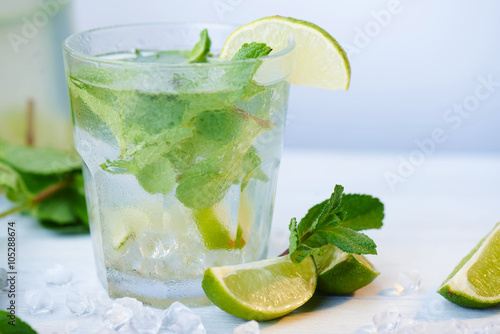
x=200 y=51
x=252 y=50
x=348 y=240
x=219 y=125
x=294 y=236
x=19 y=327
x=363 y=212
x=157 y=177
x=328 y=215
x=251 y=168
x=203 y=186
x=42 y=161
x=13 y=183
x=136 y=158
x=324 y=211
x=57 y=208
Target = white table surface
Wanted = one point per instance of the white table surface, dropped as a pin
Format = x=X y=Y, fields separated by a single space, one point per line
x=433 y=219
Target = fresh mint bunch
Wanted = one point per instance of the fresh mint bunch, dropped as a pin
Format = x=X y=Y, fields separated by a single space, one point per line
x=45 y=183
x=337 y=221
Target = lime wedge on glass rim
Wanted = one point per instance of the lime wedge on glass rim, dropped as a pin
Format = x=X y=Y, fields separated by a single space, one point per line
x=475 y=282
x=261 y=290
x=320 y=61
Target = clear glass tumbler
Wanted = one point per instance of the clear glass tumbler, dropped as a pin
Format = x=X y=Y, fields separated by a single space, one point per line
x=180 y=159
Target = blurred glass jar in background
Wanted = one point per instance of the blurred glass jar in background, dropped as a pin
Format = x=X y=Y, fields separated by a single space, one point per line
x=32 y=85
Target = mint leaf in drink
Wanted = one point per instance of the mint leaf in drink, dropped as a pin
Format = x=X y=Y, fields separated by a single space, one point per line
x=251 y=168
x=205 y=184
x=219 y=125
x=134 y=159
x=200 y=51
x=157 y=177
x=252 y=50
x=329 y=223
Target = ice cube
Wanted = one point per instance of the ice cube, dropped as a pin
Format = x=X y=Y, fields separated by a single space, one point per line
x=132 y=303
x=3 y=279
x=145 y=321
x=408 y=282
x=454 y=326
x=251 y=327
x=79 y=303
x=410 y=326
x=102 y=301
x=116 y=316
x=58 y=275
x=39 y=301
x=387 y=320
x=179 y=319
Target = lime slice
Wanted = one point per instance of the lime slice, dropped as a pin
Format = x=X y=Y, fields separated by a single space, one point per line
x=320 y=60
x=342 y=273
x=126 y=224
x=475 y=282
x=246 y=217
x=261 y=290
x=123 y=226
x=213 y=225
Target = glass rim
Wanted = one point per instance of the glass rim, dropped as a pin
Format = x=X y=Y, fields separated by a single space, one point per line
x=85 y=57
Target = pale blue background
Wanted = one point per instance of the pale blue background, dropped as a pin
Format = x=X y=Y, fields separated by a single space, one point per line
x=426 y=58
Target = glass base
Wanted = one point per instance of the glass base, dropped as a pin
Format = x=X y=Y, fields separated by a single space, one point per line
x=155 y=293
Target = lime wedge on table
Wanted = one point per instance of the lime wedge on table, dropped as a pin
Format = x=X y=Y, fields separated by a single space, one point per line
x=261 y=290
x=475 y=282
x=320 y=60
x=342 y=273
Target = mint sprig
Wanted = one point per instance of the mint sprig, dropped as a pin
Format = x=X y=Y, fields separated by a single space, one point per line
x=45 y=183
x=337 y=221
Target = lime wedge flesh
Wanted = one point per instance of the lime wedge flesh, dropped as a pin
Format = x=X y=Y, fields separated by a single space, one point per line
x=320 y=61
x=261 y=290
x=211 y=224
x=342 y=273
x=475 y=282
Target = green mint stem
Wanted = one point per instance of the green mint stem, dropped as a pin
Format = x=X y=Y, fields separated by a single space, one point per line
x=44 y=194
x=29 y=118
x=286 y=252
